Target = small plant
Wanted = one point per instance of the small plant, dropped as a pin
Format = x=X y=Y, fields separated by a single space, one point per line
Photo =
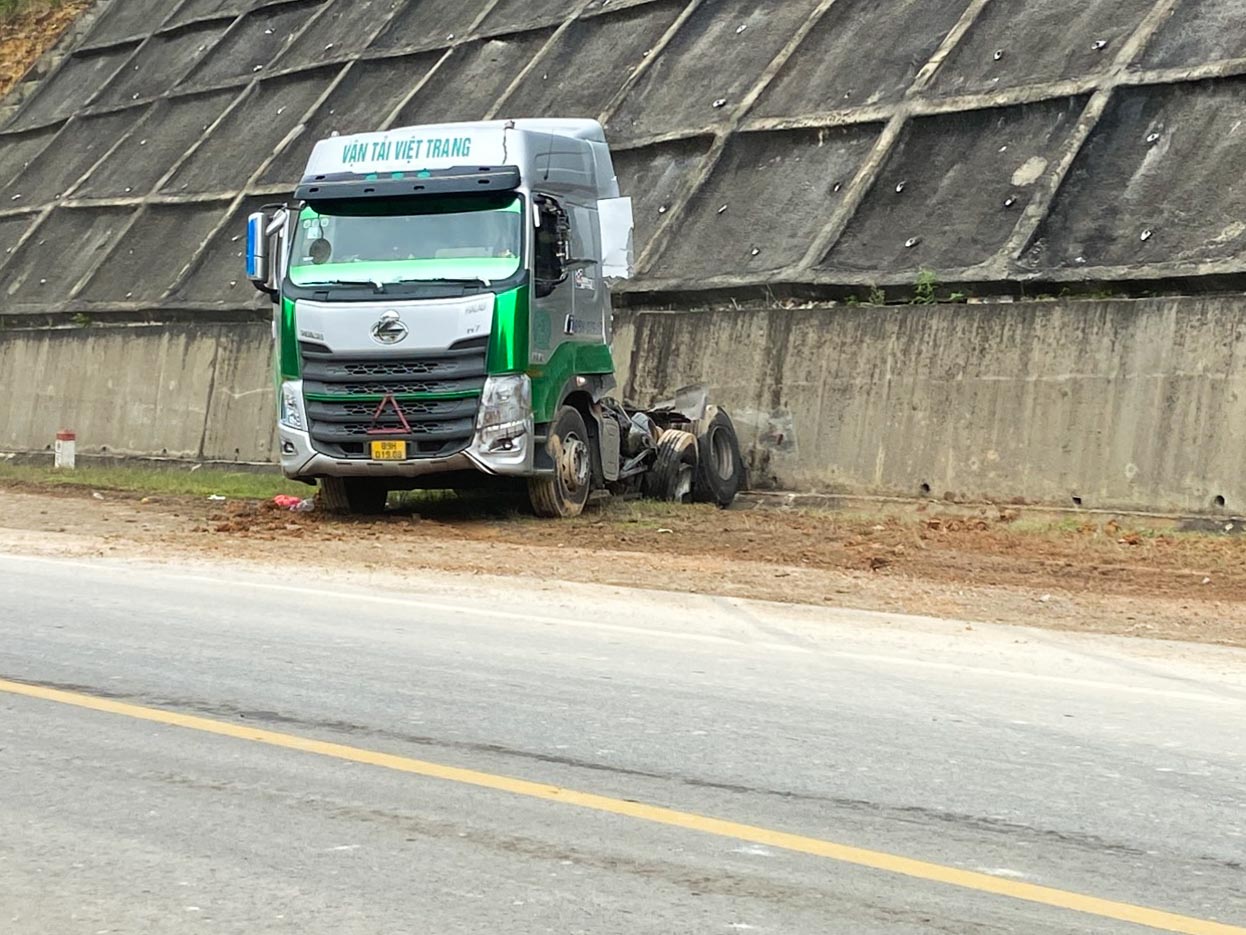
x=876 y=296
x=926 y=288
x=82 y=320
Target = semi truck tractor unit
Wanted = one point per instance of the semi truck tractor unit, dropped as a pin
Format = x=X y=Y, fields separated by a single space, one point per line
x=442 y=315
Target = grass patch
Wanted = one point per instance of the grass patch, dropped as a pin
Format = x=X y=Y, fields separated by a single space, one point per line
x=240 y=485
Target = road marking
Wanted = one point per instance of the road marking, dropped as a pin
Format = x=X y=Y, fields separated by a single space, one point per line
x=416 y=603
x=841 y=853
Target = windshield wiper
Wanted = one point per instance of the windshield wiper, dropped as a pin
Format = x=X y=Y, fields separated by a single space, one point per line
x=373 y=283
x=465 y=281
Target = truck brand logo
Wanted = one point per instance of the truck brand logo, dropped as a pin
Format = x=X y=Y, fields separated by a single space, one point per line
x=390 y=329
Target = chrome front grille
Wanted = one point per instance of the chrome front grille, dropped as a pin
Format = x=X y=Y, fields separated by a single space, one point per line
x=354 y=399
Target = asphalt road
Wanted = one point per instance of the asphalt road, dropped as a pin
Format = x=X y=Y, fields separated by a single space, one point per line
x=868 y=774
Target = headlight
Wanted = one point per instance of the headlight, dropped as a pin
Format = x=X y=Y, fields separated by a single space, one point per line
x=505 y=411
x=292 y=406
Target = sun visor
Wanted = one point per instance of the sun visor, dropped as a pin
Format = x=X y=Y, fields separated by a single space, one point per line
x=456 y=181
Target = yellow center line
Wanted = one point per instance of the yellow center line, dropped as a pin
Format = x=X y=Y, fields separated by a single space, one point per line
x=860 y=857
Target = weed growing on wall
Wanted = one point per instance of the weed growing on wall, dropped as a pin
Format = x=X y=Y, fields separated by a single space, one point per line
x=926 y=288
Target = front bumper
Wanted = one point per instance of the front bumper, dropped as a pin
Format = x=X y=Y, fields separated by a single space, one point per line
x=299 y=459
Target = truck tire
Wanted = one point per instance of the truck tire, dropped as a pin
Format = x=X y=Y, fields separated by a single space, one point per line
x=563 y=494
x=674 y=471
x=359 y=496
x=720 y=467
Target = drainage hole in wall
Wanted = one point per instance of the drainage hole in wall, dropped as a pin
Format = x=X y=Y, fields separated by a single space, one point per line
x=924 y=490
x=1077 y=501
x=1217 y=501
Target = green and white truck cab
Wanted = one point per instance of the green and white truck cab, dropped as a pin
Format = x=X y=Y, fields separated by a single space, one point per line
x=442 y=311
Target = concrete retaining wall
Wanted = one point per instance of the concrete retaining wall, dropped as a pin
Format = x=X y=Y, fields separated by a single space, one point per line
x=201 y=392
x=1123 y=404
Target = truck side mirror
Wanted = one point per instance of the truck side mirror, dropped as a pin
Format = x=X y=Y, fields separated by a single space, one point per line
x=259 y=263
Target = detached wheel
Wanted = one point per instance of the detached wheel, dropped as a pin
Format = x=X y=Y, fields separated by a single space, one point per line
x=358 y=496
x=674 y=470
x=720 y=469
x=564 y=494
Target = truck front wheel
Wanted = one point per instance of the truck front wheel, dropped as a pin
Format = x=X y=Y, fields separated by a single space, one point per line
x=354 y=495
x=564 y=493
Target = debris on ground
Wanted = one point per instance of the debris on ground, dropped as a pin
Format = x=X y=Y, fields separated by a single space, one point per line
x=991 y=566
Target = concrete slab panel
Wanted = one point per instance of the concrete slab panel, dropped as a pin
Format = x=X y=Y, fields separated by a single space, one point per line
x=11 y=230
x=156 y=249
x=469 y=83
x=829 y=71
x=777 y=189
x=681 y=87
x=70 y=156
x=590 y=62
x=127 y=19
x=241 y=423
x=66 y=91
x=1159 y=181
x=956 y=184
x=341 y=32
x=655 y=176
x=366 y=96
x=18 y=150
x=161 y=63
x=64 y=248
x=192 y=10
x=429 y=24
x=85 y=379
x=155 y=143
x=220 y=273
x=575 y=57
x=249 y=134
x=254 y=44
x=1070 y=31
x=1198 y=31
x=515 y=15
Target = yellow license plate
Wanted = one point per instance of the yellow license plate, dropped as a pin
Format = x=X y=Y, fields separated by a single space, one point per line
x=389 y=451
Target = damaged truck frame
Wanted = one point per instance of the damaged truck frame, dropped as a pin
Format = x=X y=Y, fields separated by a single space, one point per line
x=442 y=315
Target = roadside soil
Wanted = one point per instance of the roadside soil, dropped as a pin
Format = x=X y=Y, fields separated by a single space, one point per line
x=28 y=33
x=997 y=566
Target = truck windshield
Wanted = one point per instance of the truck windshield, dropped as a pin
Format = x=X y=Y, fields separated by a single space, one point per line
x=415 y=240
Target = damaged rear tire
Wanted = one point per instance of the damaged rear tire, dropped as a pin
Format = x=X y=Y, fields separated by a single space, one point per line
x=674 y=472
x=720 y=467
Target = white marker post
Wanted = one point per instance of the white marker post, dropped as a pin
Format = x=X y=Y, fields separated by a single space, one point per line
x=66 y=442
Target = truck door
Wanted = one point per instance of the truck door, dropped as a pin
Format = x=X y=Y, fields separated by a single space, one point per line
x=552 y=301
x=590 y=322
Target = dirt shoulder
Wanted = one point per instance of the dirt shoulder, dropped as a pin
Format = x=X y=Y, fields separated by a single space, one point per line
x=994 y=567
